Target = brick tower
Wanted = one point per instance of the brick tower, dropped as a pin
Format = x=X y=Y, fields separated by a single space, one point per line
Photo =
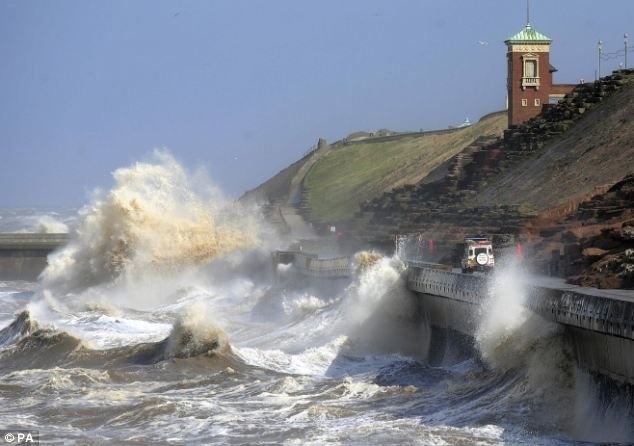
x=530 y=75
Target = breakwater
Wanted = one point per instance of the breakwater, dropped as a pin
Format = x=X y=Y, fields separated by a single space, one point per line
x=312 y=266
x=23 y=255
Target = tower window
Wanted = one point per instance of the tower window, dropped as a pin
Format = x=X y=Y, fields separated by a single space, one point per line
x=538 y=102
x=530 y=72
x=524 y=102
x=530 y=68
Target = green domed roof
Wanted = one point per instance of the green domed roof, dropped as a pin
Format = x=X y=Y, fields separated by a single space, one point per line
x=528 y=34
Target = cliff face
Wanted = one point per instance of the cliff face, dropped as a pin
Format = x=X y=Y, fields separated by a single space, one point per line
x=594 y=244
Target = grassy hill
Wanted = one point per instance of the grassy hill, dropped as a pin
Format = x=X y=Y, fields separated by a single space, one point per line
x=351 y=173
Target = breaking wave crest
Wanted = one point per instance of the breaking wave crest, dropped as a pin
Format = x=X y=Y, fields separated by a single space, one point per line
x=26 y=344
x=195 y=334
x=22 y=326
x=157 y=219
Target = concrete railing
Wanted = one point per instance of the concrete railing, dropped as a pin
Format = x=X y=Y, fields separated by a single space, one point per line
x=466 y=288
x=603 y=314
x=311 y=265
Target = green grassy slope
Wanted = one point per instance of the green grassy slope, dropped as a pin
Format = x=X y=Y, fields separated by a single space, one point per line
x=349 y=174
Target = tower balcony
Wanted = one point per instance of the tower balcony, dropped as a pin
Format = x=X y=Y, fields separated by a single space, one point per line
x=530 y=82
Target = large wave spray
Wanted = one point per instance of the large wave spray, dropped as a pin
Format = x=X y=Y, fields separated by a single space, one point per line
x=511 y=337
x=380 y=313
x=157 y=218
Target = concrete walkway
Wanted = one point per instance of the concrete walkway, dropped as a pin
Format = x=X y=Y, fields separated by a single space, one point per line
x=299 y=228
x=560 y=284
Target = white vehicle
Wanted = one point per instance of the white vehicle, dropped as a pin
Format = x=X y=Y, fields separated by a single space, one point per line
x=478 y=254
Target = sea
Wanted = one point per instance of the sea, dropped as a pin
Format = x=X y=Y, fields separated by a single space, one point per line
x=164 y=322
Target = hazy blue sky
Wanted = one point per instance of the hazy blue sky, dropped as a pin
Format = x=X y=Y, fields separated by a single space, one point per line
x=246 y=87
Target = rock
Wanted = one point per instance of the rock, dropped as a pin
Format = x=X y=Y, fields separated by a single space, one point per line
x=610 y=283
x=606 y=240
x=572 y=250
x=575 y=280
x=627 y=233
x=594 y=254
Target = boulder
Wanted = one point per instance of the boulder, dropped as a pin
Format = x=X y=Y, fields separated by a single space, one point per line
x=593 y=254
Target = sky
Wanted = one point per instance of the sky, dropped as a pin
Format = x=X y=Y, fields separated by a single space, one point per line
x=244 y=88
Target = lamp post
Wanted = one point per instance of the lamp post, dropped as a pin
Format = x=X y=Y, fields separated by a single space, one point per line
x=625 y=37
x=600 y=48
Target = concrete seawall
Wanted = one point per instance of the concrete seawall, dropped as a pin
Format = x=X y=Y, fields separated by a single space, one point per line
x=597 y=324
x=23 y=255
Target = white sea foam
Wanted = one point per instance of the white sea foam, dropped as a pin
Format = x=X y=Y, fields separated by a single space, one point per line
x=303 y=304
x=107 y=331
x=312 y=361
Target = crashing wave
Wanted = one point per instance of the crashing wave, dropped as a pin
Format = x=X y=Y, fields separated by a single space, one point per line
x=22 y=326
x=366 y=259
x=157 y=219
x=103 y=308
x=192 y=335
x=27 y=345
